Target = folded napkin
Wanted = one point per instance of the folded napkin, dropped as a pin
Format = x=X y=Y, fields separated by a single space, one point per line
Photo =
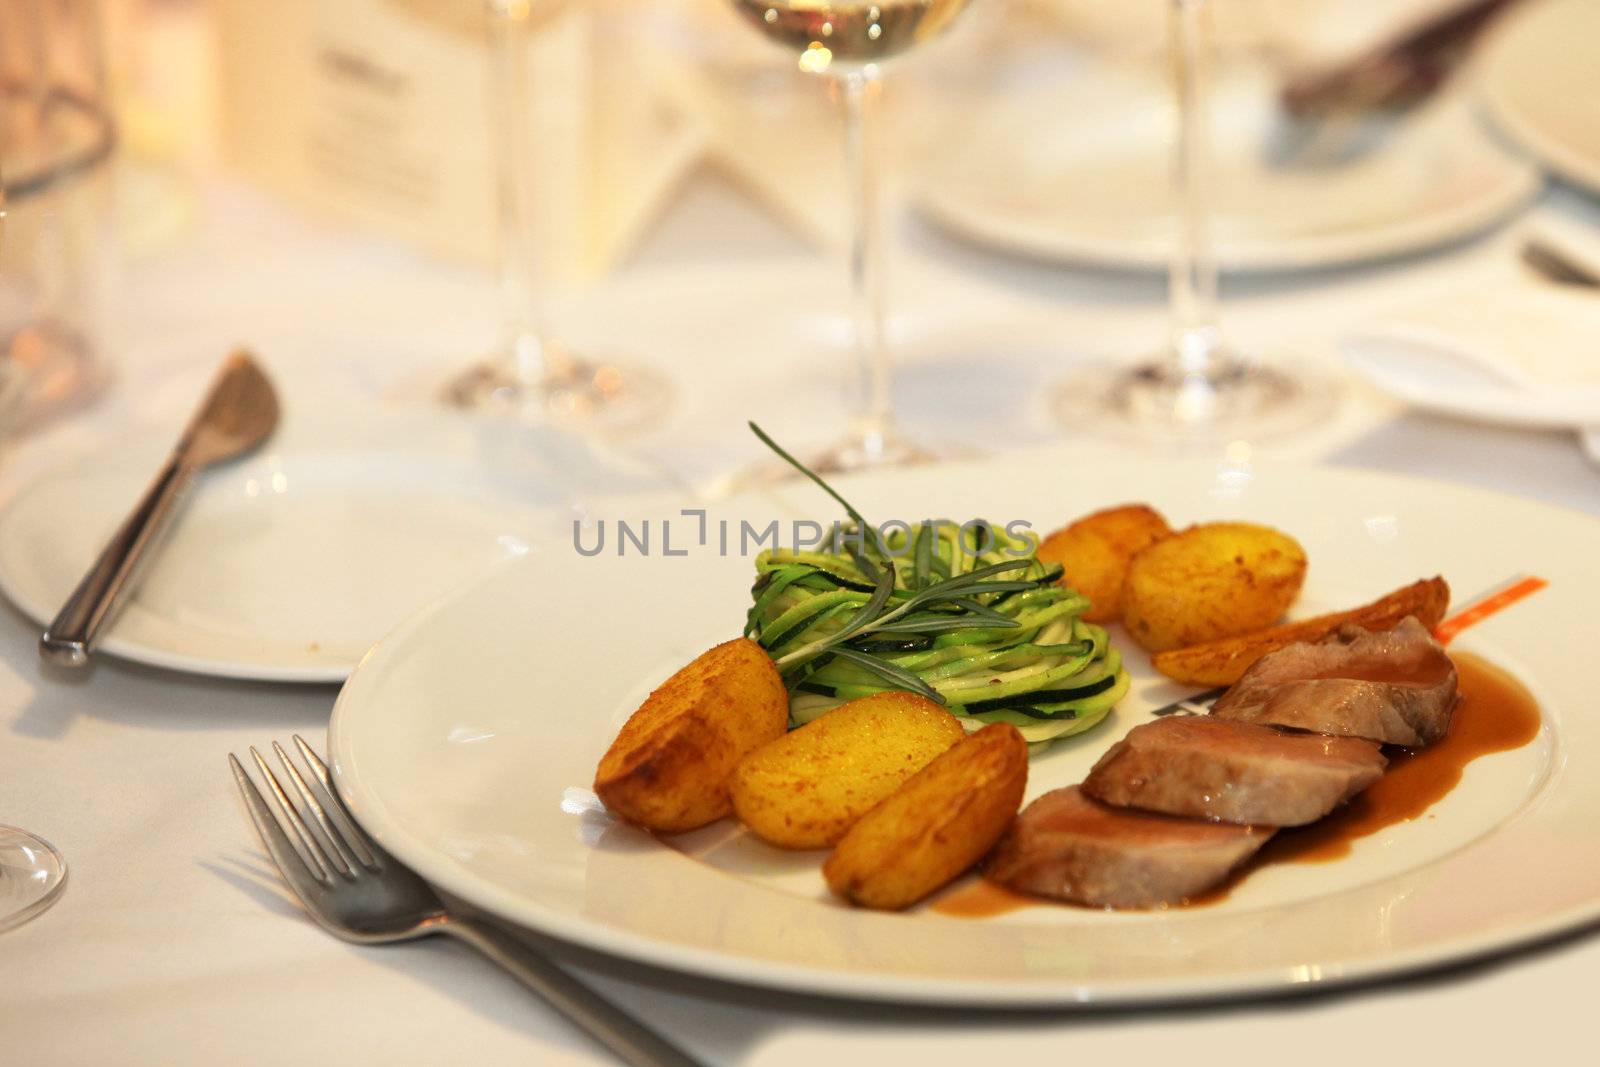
x=1522 y=351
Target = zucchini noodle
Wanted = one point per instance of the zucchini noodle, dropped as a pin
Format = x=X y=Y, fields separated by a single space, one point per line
x=1020 y=653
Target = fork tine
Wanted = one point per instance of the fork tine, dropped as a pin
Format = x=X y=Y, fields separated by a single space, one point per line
x=317 y=860
x=354 y=835
x=277 y=843
x=338 y=851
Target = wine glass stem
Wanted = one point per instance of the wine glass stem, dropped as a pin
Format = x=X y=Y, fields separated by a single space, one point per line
x=1196 y=336
x=534 y=359
x=874 y=416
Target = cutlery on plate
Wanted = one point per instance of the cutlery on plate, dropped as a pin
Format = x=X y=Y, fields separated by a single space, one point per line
x=359 y=893
x=1557 y=266
x=1337 y=114
x=237 y=414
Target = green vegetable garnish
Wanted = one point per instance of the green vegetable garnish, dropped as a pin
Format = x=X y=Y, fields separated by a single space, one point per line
x=968 y=617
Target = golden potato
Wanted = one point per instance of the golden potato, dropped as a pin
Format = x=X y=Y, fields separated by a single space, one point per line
x=668 y=768
x=1094 y=553
x=807 y=788
x=1224 y=662
x=942 y=821
x=1214 y=580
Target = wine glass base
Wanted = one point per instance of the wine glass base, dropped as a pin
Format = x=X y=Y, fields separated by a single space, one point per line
x=1151 y=401
x=46 y=369
x=32 y=875
x=854 y=452
x=607 y=398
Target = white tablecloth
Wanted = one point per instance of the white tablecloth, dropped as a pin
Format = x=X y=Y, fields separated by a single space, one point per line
x=175 y=943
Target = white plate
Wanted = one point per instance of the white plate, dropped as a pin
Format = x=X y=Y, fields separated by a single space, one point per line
x=467 y=741
x=288 y=564
x=1440 y=378
x=1591 y=443
x=1083 y=176
x=1515 y=353
x=1541 y=82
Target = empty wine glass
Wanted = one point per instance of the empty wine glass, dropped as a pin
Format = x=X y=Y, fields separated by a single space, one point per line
x=32 y=872
x=32 y=875
x=846 y=40
x=1198 y=385
x=530 y=371
x=57 y=133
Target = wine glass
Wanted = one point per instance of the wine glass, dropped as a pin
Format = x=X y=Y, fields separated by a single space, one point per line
x=32 y=875
x=57 y=133
x=845 y=41
x=1198 y=386
x=531 y=372
x=32 y=872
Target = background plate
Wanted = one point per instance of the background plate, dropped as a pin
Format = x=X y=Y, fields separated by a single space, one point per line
x=1543 y=90
x=1081 y=174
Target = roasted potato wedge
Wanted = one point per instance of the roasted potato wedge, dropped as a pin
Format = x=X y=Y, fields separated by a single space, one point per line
x=1210 y=581
x=936 y=825
x=807 y=788
x=668 y=768
x=1224 y=662
x=1094 y=552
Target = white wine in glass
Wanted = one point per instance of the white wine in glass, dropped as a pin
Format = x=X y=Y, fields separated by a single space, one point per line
x=851 y=32
x=846 y=41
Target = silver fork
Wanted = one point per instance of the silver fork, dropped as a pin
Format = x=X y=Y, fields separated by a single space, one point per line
x=359 y=893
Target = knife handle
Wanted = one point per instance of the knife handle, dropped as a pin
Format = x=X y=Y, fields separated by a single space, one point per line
x=68 y=640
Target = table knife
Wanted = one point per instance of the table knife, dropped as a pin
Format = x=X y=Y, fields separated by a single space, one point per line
x=239 y=412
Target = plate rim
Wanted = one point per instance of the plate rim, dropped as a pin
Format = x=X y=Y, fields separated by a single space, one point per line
x=591 y=934
x=1345 y=249
x=1545 y=409
x=937 y=199
x=1514 y=122
x=132 y=651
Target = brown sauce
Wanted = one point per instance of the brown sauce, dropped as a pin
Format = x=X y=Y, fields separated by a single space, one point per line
x=979 y=898
x=1496 y=714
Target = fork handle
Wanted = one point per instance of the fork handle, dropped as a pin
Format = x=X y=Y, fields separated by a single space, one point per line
x=621 y=1033
x=69 y=638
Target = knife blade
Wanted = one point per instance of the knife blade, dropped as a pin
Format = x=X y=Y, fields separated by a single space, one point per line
x=239 y=411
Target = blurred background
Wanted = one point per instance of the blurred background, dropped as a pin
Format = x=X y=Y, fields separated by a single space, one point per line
x=367 y=111
x=319 y=177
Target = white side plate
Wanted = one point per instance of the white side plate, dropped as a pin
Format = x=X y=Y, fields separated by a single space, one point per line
x=287 y=564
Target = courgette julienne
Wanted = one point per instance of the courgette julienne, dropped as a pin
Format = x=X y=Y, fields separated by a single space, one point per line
x=965 y=615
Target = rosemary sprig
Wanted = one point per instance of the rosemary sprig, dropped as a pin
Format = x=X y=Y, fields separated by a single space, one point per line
x=922 y=563
x=938 y=601
x=896 y=676
x=803 y=469
x=872 y=617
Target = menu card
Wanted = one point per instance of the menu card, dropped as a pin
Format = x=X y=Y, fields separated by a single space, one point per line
x=377 y=113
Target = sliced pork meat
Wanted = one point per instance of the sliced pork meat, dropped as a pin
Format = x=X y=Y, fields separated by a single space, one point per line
x=1235 y=772
x=1067 y=846
x=1397 y=687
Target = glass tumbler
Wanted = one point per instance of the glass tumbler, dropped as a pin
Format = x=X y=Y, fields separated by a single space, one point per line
x=56 y=266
